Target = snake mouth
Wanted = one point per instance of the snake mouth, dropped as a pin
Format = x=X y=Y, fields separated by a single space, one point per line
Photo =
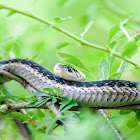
x=57 y=70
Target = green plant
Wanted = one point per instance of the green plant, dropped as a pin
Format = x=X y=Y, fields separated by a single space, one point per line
x=25 y=37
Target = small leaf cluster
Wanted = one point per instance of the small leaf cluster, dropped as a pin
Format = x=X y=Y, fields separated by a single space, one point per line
x=65 y=102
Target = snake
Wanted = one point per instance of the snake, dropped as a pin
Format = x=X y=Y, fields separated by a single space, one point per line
x=103 y=93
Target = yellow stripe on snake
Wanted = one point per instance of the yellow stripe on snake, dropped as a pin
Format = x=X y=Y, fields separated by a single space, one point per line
x=105 y=93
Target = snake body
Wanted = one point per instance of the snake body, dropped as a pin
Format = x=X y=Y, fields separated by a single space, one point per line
x=106 y=93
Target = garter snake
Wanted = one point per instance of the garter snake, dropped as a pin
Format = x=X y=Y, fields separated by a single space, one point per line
x=68 y=73
x=105 y=93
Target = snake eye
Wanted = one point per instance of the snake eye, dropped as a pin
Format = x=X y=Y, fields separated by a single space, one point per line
x=69 y=70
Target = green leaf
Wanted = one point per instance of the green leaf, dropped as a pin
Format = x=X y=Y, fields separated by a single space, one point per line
x=18 y=115
x=49 y=90
x=137 y=37
x=35 y=56
x=137 y=112
x=124 y=112
x=40 y=94
x=86 y=28
x=50 y=126
x=130 y=48
x=40 y=113
x=104 y=69
x=11 y=13
x=41 y=125
x=69 y=105
x=5 y=91
x=54 y=100
x=60 y=19
x=63 y=45
x=38 y=102
x=73 y=60
x=65 y=101
x=32 y=104
x=113 y=75
x=122 y=68
x=43 y=102
x=63 y=119
x=113 y=32
x=8 y=97
x=114 y=119
x=16 y=49
x=112 y=44
x=48 y=118
x=58 y=91
x=132 y=123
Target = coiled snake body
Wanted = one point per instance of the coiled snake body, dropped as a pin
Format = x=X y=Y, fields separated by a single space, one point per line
x=106 y=93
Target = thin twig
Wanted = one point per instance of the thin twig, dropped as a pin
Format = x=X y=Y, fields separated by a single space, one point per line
x=78 y=39
x=116 y=130
x=125 y=32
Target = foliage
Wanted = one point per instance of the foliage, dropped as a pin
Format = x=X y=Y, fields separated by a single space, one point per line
x=94 y=20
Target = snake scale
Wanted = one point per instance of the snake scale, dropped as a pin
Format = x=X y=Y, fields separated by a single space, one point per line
x=105 y=93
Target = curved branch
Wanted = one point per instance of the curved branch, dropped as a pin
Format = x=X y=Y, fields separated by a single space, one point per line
x=78 y=39
x=23 y=105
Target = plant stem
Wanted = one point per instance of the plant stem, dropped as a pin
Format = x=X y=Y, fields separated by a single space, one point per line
x=125 y=32
x=78 y=39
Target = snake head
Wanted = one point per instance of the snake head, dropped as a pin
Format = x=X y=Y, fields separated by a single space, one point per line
x=69 y=73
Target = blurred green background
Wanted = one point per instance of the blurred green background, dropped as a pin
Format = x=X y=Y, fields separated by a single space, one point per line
x=23 y=37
